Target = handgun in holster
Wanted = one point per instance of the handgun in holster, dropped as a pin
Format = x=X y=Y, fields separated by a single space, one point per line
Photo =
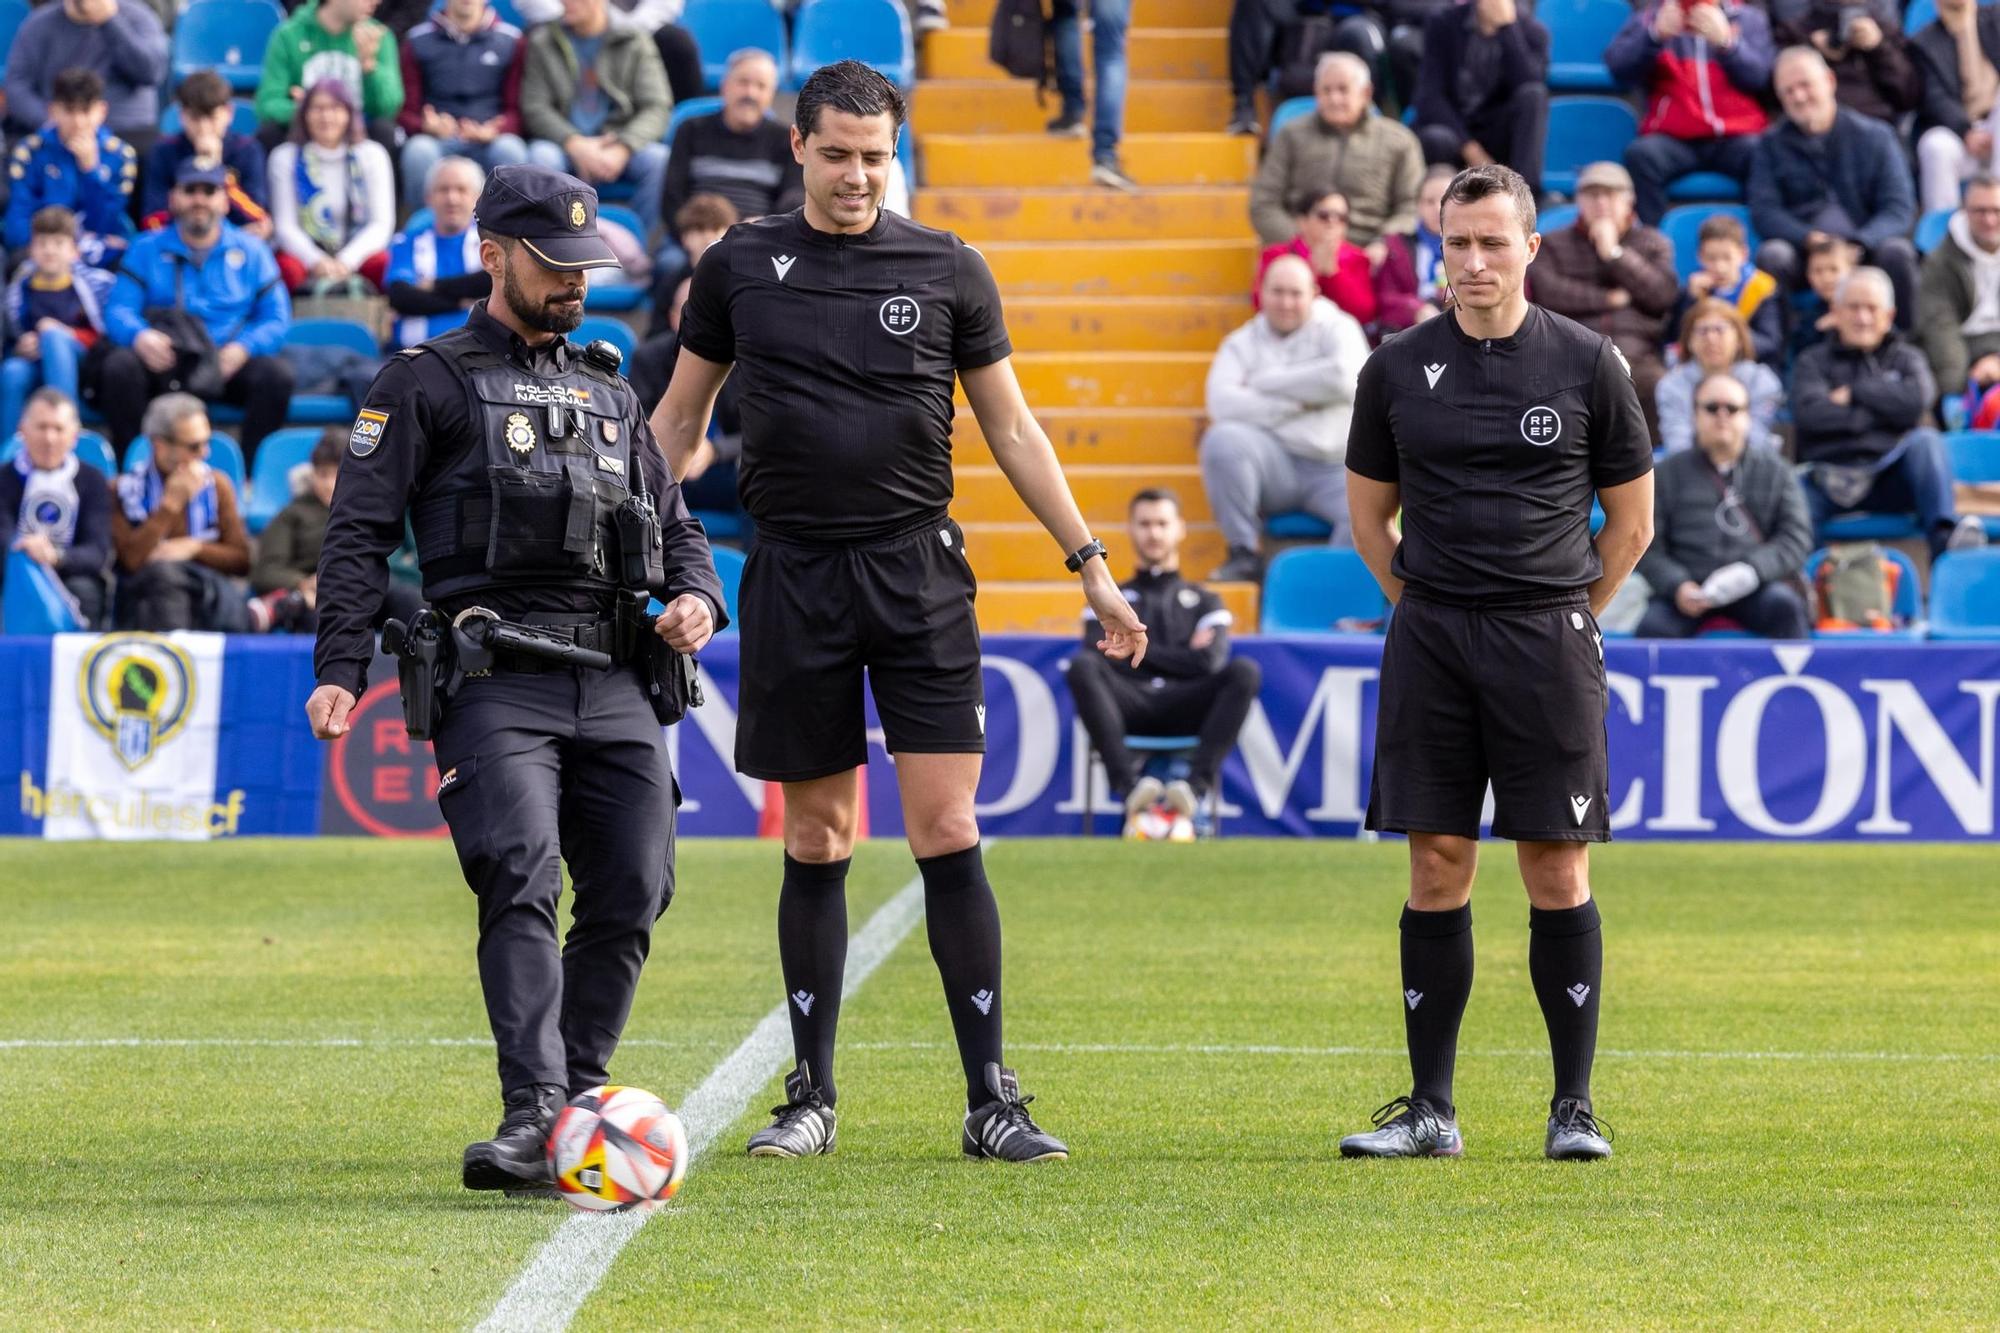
x=672 y=679
x=423 y=660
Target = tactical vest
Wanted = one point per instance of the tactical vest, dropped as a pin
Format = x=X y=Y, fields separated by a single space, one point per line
x=533 y=501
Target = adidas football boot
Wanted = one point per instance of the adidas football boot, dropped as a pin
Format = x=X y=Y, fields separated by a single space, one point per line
x=1002 y=1129
x=803 y=1126
x=1575 y=1135
x=516 y=1158
x=1405 y=1128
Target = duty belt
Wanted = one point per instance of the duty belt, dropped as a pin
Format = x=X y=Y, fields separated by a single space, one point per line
x=536 y=644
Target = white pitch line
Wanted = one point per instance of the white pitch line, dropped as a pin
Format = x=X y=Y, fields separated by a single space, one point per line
x=557 y=1281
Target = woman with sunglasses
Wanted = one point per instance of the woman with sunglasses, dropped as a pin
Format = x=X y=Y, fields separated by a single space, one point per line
x=1716 y=340
x=1339 y=266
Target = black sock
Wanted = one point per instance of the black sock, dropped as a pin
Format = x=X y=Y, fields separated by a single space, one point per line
x=1437 y=981
x=1566 y=963
x=963 y=922
x=812 y=952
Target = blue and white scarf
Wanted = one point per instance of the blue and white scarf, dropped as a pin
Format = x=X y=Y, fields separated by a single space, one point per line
x=139 y=492
x=48 y=500
x=316 y=215
x=424 y=265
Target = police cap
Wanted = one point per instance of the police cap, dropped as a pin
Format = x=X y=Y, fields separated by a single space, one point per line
x=552 y=213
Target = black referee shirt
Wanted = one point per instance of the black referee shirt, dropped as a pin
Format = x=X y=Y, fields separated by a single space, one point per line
x=846 y=348
x=1498 y=445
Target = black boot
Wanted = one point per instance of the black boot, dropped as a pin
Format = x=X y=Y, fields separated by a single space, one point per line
x=516 y=1158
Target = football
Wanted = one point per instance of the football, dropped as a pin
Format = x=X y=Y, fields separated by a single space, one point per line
x=617 y=1148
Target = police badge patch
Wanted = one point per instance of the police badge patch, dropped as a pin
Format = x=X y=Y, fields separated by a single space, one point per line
x=576 y=218
x=367 y=432
x=520 y=433
x=611 y=432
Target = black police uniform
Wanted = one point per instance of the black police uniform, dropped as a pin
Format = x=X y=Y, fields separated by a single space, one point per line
x=1494 y=666
x=510 y=460
x=1181 y=690
x=845 y=350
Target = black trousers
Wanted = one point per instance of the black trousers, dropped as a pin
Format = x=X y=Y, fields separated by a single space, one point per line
x=1512 y=131
x=118 y=384
x=682 y=57
x=1774 y=611
x=180 y=594
x=536 y=770
x=1112 y=701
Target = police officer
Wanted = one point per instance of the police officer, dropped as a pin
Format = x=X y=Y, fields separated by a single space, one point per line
x=525 y=466
x=1491 y=428
x=846 y=326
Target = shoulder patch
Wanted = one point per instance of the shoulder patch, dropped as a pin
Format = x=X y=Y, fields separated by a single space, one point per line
x=1621 y=360
x=367 y=434
x=412 y=353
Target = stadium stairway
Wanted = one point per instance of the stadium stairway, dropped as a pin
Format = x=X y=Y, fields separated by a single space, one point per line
x=1116 y=302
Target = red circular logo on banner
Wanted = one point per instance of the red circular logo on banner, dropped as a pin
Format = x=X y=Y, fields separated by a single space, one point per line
x=385 y=782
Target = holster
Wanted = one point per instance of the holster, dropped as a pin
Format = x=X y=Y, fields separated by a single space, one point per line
x=423 y=660
x=672 y=680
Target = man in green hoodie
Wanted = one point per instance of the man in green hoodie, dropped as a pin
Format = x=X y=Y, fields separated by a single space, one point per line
x=332 y=39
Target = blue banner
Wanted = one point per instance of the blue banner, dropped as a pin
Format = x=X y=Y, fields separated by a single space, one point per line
x=1709 y=739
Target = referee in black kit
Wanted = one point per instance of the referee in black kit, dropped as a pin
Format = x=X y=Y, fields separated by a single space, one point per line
x=1491 y=428
x=846 y=325
x=544 y=518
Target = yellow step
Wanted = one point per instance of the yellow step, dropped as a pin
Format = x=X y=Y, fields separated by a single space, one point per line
x=1057 y=607
x=1128 y=323
x=1196 y=213
x=1153 y=13
x=984 y=495
x=1123 y=268
x=1150 y=53
x=987 y=106
x=1024 y=551
x=1025 y=161
x=1114 y=379
x=1086 y=436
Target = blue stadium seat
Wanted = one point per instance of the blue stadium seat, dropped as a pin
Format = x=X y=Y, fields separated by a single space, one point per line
x=12 y=14
x=1918 y=16
x=614 y=331
x=1701 y=186
x=1682 y=227
x=1554 y=219
x=1975 y=456
x=90 y=448
x=225 y=455
x=688 y=110
x=32 y=601
x=327 y=408
x=1290 y=110
x=242 y=117
x=1310 y=589
x=722 y=525
x=1583 y=130
x=1931 y=230
x=271 y=482
x=875 y=32
x=227 y=36
x=729 y=567
x=1862 y=527
x=722 y=27
x=1297 y=526
x=506 y=10
x=1579 y=30
x=1965 y=595
x=1908 y=609
x=606 y=294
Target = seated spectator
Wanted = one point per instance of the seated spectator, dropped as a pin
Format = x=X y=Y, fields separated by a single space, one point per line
x=656 y=19
x=1827 y=171
x=197 y=306
x=178 y=530
x=74 y=162
x=594 y=97
x=55 y=310
x=461 y=91
x=333 y=191
x=1716 y=341
x=1341 y=269
x=739 y=152
x=1858 y=403
x=1810 y=310
x=1189 y=685
x=1730 y=531
x=57 y=508
x=1375 y=163
x=698 y=224
x=331 y=39
x=285 y=575
x=1727 y=274
x=1960 y=296
x=1862 y=43
x=434 y=275
x=1483 y=88
x=1410 y=282
x=1279 y=43
x=1701 y=70
x=710 y=481
x=1279 y=396
x=120 y=41
x=206 y=112
x=1612 y=272
x=1958 y=57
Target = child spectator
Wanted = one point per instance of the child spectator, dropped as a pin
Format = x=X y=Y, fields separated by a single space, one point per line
x=55 y=310
x=461 y=91
x=698 y=224
x=206 y=113
x=333 y=190
x=1829 y=259
x=1727 y=274
x=285 y=575
x=75 y=162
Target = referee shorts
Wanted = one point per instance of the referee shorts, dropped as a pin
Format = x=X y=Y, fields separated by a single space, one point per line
x=813 y=619
x=1513 y=696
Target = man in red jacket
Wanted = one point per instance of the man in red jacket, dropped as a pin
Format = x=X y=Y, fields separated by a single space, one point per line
x=1702 y=65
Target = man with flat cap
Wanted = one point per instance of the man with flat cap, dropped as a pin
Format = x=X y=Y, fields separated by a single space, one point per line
x=545 y=517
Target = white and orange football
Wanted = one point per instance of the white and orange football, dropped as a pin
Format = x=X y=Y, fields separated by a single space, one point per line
x=617 y=1148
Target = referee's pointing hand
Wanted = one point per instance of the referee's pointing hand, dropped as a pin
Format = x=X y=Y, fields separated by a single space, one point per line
x=686 y=624
x=1124 y=637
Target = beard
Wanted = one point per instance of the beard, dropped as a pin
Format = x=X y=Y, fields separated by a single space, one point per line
x=544 y=316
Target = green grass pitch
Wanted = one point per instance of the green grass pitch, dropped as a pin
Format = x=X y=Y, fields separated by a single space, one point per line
x=1799 y=1056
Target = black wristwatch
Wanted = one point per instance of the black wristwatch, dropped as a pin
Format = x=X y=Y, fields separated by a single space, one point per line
x=1074 y=561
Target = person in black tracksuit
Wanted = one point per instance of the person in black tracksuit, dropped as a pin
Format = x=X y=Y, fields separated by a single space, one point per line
x=517 y=456
x=845 y=327
x=1491 y=429
x=1191 y=686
